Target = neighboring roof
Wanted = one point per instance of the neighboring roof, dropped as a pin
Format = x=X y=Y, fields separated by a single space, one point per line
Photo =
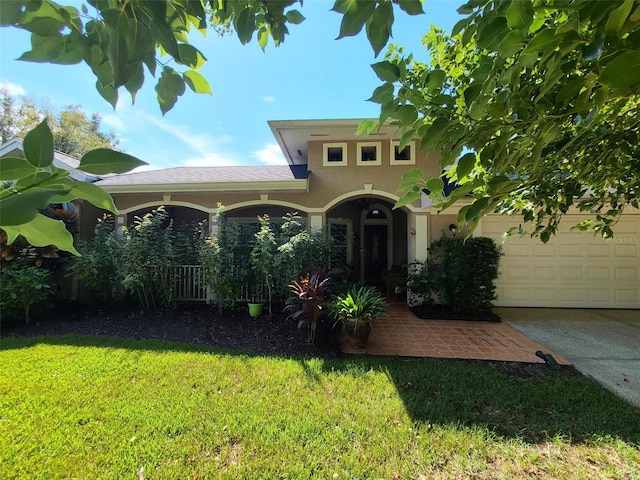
x=293 y=136
x=231 y=178
x=14 y=148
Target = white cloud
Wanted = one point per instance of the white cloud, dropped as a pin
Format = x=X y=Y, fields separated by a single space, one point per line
x=270 y=154
x=164 y=144
x=13 y=88
x=268 y=99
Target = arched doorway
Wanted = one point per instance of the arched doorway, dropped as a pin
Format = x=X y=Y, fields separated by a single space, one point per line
x=376 y=232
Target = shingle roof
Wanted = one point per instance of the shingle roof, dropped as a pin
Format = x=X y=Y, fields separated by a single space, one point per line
x=178 y=175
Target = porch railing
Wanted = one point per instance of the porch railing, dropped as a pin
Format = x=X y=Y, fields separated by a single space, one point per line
x=189 y=283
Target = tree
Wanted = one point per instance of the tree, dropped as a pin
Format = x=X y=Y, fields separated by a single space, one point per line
x=18 y=115
x=74 y=133
x=122 y=41
x=532 y=106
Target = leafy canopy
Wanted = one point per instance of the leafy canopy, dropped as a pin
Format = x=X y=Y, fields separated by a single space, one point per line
x=532 y=106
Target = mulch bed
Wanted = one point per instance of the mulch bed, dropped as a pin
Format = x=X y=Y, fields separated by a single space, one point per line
x=443 y=312
x=232 y=330
x=197 y=324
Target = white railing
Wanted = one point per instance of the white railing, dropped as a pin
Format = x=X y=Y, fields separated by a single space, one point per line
x=189 y=283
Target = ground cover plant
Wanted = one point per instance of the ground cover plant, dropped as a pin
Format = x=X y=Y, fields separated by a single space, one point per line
x=82 y=406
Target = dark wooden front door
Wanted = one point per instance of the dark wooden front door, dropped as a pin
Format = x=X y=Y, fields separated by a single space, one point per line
x=375 y=252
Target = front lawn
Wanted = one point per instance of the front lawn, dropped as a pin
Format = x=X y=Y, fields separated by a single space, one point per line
x=98 y=407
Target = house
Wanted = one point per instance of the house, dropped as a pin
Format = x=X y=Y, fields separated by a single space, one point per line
x=348 y=184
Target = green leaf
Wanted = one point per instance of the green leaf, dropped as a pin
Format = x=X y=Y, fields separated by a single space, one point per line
x=436 y=80
x=197 y=82
x=172 y=81
x=409 y=197
x=382 y=94
x=135 y=82
x=465 y=165
x=13 y=168
x=366 y=127
x=411 y=7
x=623 y=71
x=107 y=92
x=618 y=17
x=386 y=71
x=94 y=194
x=38 y=145
x=570 y=89
x=43 y=48
x=191 y=56
x=544 y=41
x=519 y=15
x=407 y=114
x=117 y=51
x=43 y=231
x=492 y=33
x=245 y=25
x=379 y=28
x=295 y=17
x=413 y=174
x=511 y=44
x=102 y=161
x=435 y=184
x=10 y=12
x=22 y=207
x=139 y=42
x=355 y=15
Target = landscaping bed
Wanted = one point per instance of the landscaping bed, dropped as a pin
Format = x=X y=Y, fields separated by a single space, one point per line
x=443 y=312
x=198 y=324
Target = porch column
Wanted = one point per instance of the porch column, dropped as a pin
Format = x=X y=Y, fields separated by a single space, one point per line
x=121 y=223
x=418 y=236
x=214 y=228
x=316 y=221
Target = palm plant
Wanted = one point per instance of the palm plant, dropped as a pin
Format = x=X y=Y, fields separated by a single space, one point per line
x=356 y=309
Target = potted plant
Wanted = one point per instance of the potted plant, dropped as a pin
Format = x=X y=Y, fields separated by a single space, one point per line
x=309 y=294
x=355 y=310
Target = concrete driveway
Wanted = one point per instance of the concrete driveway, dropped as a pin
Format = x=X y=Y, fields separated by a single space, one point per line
x=602 y=344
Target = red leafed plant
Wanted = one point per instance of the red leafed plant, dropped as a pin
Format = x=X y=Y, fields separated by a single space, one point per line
x=309 y=294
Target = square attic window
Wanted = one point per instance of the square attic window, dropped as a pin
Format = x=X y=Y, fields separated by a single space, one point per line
x=369 y=153
x=405 y=156
x=334 y=154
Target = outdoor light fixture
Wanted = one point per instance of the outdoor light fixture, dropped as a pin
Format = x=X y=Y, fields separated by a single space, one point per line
x=412 y=231
x=367 y=203
x=453 y=228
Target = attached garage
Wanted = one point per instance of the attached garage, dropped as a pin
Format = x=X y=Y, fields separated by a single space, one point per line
x=573 y=270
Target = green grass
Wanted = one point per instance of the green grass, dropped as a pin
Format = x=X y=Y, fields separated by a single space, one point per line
x=84 y=407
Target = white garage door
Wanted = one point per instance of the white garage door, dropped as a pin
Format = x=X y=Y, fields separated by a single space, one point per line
x=574 y=269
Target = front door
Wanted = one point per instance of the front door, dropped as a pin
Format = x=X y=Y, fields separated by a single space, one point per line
x=375 y=252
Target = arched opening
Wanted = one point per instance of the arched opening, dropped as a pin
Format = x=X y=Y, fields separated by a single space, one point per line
x=373 y=235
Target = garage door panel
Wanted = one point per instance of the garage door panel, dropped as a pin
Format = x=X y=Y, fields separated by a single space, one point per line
x=625 y=251
x=598 y=273
x=574 y=269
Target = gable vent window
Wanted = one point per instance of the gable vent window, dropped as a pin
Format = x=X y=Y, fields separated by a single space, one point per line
x=369 y=153
x=334 y=154
x=404 y=156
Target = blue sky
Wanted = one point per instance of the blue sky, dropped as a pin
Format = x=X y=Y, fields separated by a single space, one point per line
x=311 y=75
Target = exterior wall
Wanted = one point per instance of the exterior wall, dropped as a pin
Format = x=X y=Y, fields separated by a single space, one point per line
x=327 y=182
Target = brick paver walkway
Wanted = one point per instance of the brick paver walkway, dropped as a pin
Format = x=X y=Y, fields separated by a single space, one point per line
x=402 y=333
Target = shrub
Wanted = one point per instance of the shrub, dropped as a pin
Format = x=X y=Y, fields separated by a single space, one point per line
x=99 y=266
x=358 y=305
x=23 y=286
x=147 y=257
x=309 y=294
x=459 y=272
